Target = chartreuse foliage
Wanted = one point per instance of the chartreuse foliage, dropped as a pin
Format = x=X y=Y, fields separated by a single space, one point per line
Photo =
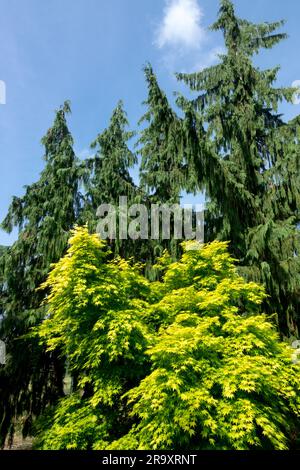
x=95 y=321
x=196 y=366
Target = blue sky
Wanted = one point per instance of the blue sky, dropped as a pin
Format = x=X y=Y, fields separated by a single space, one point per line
x=92 y=53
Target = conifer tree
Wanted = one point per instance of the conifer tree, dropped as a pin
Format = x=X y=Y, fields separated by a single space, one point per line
x=108 y=173
x=163 y=166
x=44 y=216
x=109 y=169
x=240 y=148
x=161 y=149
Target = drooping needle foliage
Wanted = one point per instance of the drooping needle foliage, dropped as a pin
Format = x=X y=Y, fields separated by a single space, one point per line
x=247 y=160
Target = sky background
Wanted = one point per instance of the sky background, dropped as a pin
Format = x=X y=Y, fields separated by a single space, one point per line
x=92 y=53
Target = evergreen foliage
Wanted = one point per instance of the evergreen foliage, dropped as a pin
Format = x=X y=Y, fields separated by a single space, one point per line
x=109 y=176
x=161 y=148
x=244 y=155
x=163 y=166
x=44 y=215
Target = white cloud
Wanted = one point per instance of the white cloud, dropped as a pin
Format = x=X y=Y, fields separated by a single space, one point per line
x=181 y=36
x=181 y=25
